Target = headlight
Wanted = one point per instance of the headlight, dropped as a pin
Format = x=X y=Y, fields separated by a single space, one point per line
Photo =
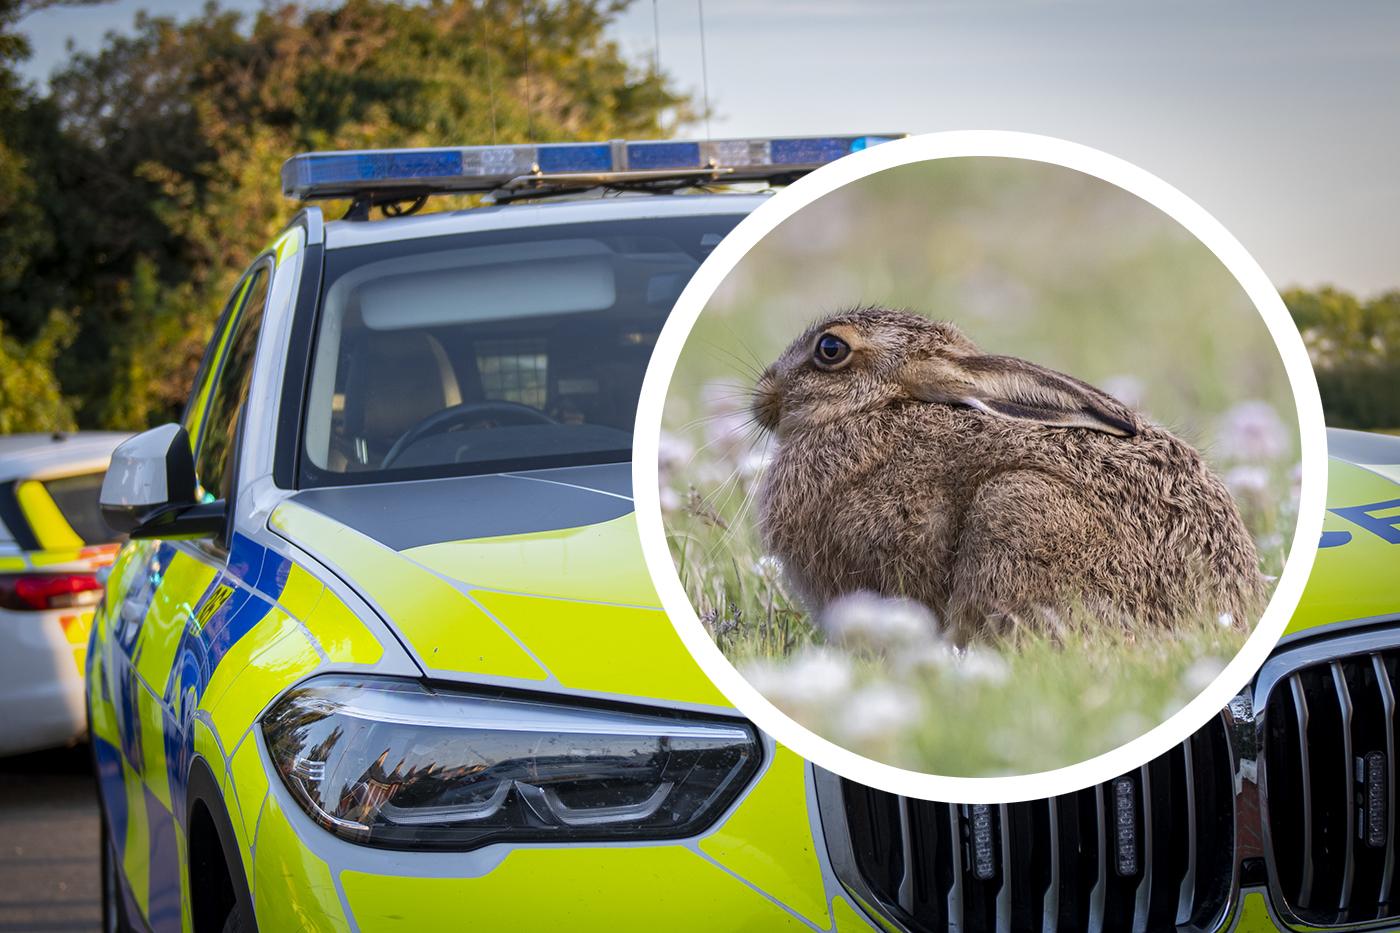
x=397 y=765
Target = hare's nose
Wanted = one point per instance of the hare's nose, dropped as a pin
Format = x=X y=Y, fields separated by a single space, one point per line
x=768 y=402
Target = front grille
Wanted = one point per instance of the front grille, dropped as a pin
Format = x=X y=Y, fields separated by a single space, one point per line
x=1330 y=788
x=1150 y=850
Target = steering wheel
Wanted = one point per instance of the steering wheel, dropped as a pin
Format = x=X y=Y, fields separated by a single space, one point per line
x=441 y=421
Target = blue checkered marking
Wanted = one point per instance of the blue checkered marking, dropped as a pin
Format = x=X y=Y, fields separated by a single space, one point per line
x=163 y=912
x=250 y=566
x=113 y=786
x=245 y=559
x=276 y=569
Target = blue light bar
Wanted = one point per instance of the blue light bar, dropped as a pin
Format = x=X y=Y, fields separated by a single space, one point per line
x=382 y=172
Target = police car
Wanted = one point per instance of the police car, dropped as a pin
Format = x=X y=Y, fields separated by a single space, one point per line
x=53 y=545
x=382 y=651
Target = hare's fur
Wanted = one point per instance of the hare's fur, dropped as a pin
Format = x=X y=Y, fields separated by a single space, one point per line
x=995 y=491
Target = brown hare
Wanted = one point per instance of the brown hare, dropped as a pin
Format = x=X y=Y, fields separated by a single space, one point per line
x=994 y=491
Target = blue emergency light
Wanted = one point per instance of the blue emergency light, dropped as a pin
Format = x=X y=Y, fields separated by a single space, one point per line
x=518 y=169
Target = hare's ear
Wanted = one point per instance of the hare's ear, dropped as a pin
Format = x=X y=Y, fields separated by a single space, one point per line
x=1007 y=387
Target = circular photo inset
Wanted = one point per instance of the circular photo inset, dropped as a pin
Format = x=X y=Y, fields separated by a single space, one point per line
x=977 y=467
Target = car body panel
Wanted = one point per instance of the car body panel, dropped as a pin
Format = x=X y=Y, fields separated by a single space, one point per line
x=568 y=608
x=1253 y=915
x=593 y=563
x=47 y=522
x=444 y=628
x=294 y=889
x=1358 y=561
x=414 y=514
x=615 y=888
x=41 y=456
x=756 y=843
x=41 y=685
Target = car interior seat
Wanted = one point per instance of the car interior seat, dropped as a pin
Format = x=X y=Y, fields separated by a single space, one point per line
x=396 y=379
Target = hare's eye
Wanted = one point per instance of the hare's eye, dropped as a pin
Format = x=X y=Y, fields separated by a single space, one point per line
x=831 y=349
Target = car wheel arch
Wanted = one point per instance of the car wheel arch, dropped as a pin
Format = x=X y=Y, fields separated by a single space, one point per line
x=215 y=863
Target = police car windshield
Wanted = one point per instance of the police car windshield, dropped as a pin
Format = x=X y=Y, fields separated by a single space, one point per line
x=491 y=352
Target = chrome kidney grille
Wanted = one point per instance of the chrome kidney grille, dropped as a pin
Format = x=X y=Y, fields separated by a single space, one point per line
x=1329 y=784
x=1150 y=850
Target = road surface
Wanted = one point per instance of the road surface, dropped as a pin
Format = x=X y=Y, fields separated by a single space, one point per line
x=49 y=867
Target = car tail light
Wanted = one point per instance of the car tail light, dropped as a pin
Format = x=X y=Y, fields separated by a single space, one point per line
x=29 y=592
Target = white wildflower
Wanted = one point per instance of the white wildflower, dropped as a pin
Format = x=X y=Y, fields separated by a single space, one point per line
x=979 y=665
x=1247 y=481
x=878 y=623
x=727 y=417
x=936 y=655
x=879 y=711
x=813 y=677
x=672 y=452
x=1201 y=675
x=1252 y=432
x=670 y=499
x=713 y=473
x=768 y=568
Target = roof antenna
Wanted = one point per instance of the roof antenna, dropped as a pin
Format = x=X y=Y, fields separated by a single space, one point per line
x=656 y=57
x=529 y=98
x=704 y=75
x=490 y=84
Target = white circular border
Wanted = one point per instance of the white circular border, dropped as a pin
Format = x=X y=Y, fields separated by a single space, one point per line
x=765 y=715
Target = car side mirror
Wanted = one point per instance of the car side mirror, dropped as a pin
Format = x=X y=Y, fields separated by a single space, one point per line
x=150 y=488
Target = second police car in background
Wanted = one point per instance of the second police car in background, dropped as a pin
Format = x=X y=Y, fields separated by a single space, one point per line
x=383 y=652
x=53 y=546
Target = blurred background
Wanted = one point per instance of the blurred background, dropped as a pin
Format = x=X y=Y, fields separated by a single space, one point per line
x=1031 y=260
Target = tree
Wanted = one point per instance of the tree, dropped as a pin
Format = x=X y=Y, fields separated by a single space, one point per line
x=1355 y=351
x=30 y=398
x=157 y=160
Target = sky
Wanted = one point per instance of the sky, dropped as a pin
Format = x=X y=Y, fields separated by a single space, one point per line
x=1279 y=117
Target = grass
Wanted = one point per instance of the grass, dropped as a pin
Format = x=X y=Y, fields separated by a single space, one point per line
x=915 y=702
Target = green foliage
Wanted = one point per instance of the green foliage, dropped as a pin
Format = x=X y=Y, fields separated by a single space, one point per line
x=136 y=192
x=23 y=230
x=30 y=399
x=23 y=227
x=1355 y=351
